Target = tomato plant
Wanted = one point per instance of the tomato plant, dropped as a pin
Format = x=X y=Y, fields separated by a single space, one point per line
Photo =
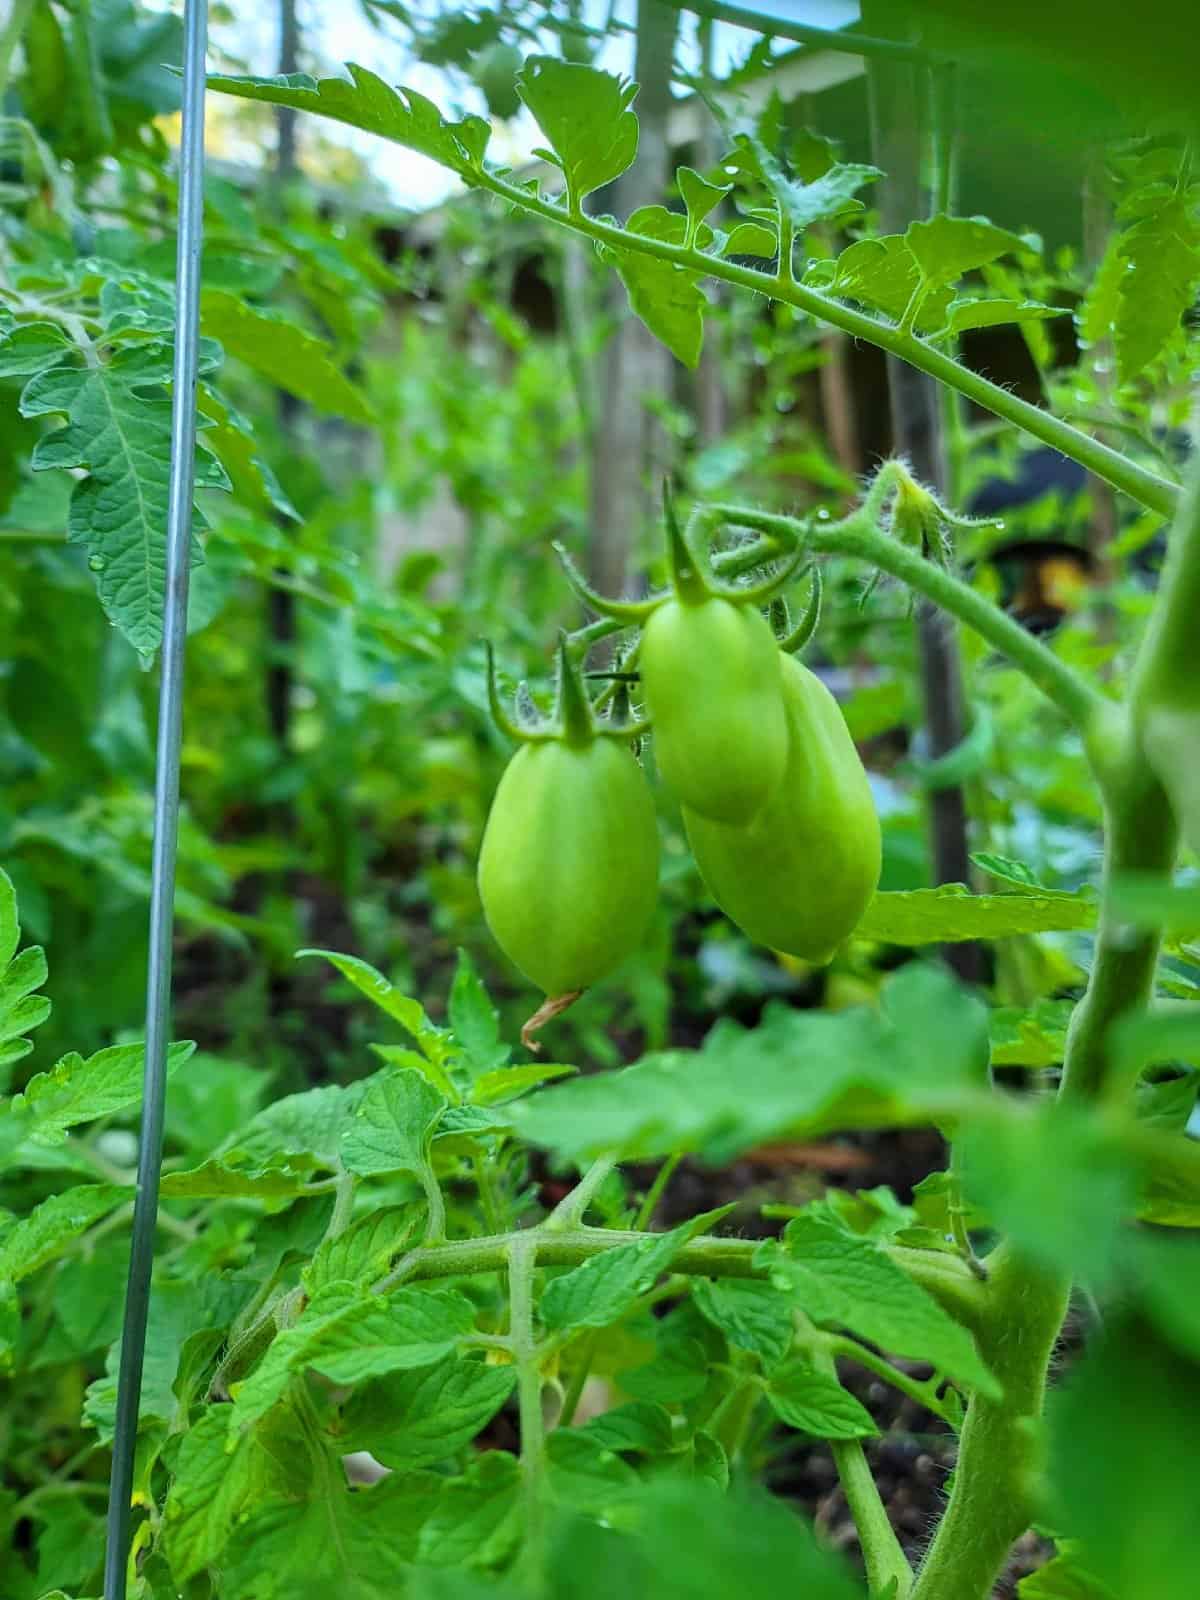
x=430 y=1316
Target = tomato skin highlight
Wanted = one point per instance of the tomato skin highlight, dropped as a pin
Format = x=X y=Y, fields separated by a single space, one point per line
x=710 y=675
x=800 y=875
x=568 y=867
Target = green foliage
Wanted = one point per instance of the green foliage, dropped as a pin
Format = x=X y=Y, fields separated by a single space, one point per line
x=370 y=1256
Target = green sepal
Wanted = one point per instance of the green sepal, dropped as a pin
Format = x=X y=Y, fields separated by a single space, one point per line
x=687 y=578
x=521 y=731
x=627 y=611
x=800 y=635
x=757 y=594
x=572 y=708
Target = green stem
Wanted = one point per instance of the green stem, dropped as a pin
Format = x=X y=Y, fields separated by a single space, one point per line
x=343 y=1204
x=730 y=1422
x=991 y=1503
x=941 y=1275
x=858 y=44
x=522 y=1260
x=1142 y=485
x=435 y=1226
x=654 y=1194
x=922 y=1392
x=883 y=1557
x=568 y=1213
x=857 y=536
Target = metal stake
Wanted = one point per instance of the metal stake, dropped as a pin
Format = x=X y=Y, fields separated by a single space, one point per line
x=166 y=794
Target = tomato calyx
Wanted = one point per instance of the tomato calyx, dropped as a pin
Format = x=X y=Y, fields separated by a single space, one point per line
x=792 y=639
x=573 y=721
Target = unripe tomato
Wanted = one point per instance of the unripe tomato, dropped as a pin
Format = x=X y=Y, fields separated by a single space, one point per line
x=799 y=876
x=711 y=680
x=568 y=869
x=495 y=70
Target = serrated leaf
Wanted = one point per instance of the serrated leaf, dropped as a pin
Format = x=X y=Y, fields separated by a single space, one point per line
x=842 y=1280
x=602 y=1288
x=967 y=314
x=945 y=247
x=882 y=273
x=678 y=1373
x=363 y=1251
x=217 y=1181
x=585 y=115
x=231 y=439
x=33 y=347
x=48 y=1230
x=698 y=195
x=752 y=1316
x=421 y=1417
x=639 y=1426
x=365 y=101
x=357 y=1544
x=507 y=1083
x=367 y=980
x=751 y=239
x=118 y=427
x=951 y=913
x=76 y=1090
x=1030 y=1038
x=1063 y=1578
x=212 y=1487
x=816 y=1404
x=179 y=1310
x=390 y=1333
x=798 y=1074
x=393 y=1124
x=349 y=1335
x=310 y=1123
x=1161 y=256
x=283 y=353
x=474 y=1020
x=667 y=298
x=1097 y=313
x=582 y=1473
x=829 y=198
x=477 y=1519
x=10 y=927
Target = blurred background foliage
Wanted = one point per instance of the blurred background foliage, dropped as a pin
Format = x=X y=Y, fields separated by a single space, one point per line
x=339 y=761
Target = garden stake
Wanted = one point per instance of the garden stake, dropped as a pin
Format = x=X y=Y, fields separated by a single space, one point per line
x=166 y=793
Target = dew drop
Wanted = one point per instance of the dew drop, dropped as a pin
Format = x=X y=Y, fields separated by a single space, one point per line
x=97 y=563
x=823 y=514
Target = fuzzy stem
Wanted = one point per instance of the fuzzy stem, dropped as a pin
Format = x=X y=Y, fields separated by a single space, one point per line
x=923 y=1392
x=654 y=1194
x=888 y=1571
x=857 y=536
x=1156 y=493
x=569 y=1211
x=991 y=1503
x=883 y=1557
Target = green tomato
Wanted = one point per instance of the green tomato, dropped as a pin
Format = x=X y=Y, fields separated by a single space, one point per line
x=495 y=71
x=711 y=680
x=798 y=878
x=568 y=869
